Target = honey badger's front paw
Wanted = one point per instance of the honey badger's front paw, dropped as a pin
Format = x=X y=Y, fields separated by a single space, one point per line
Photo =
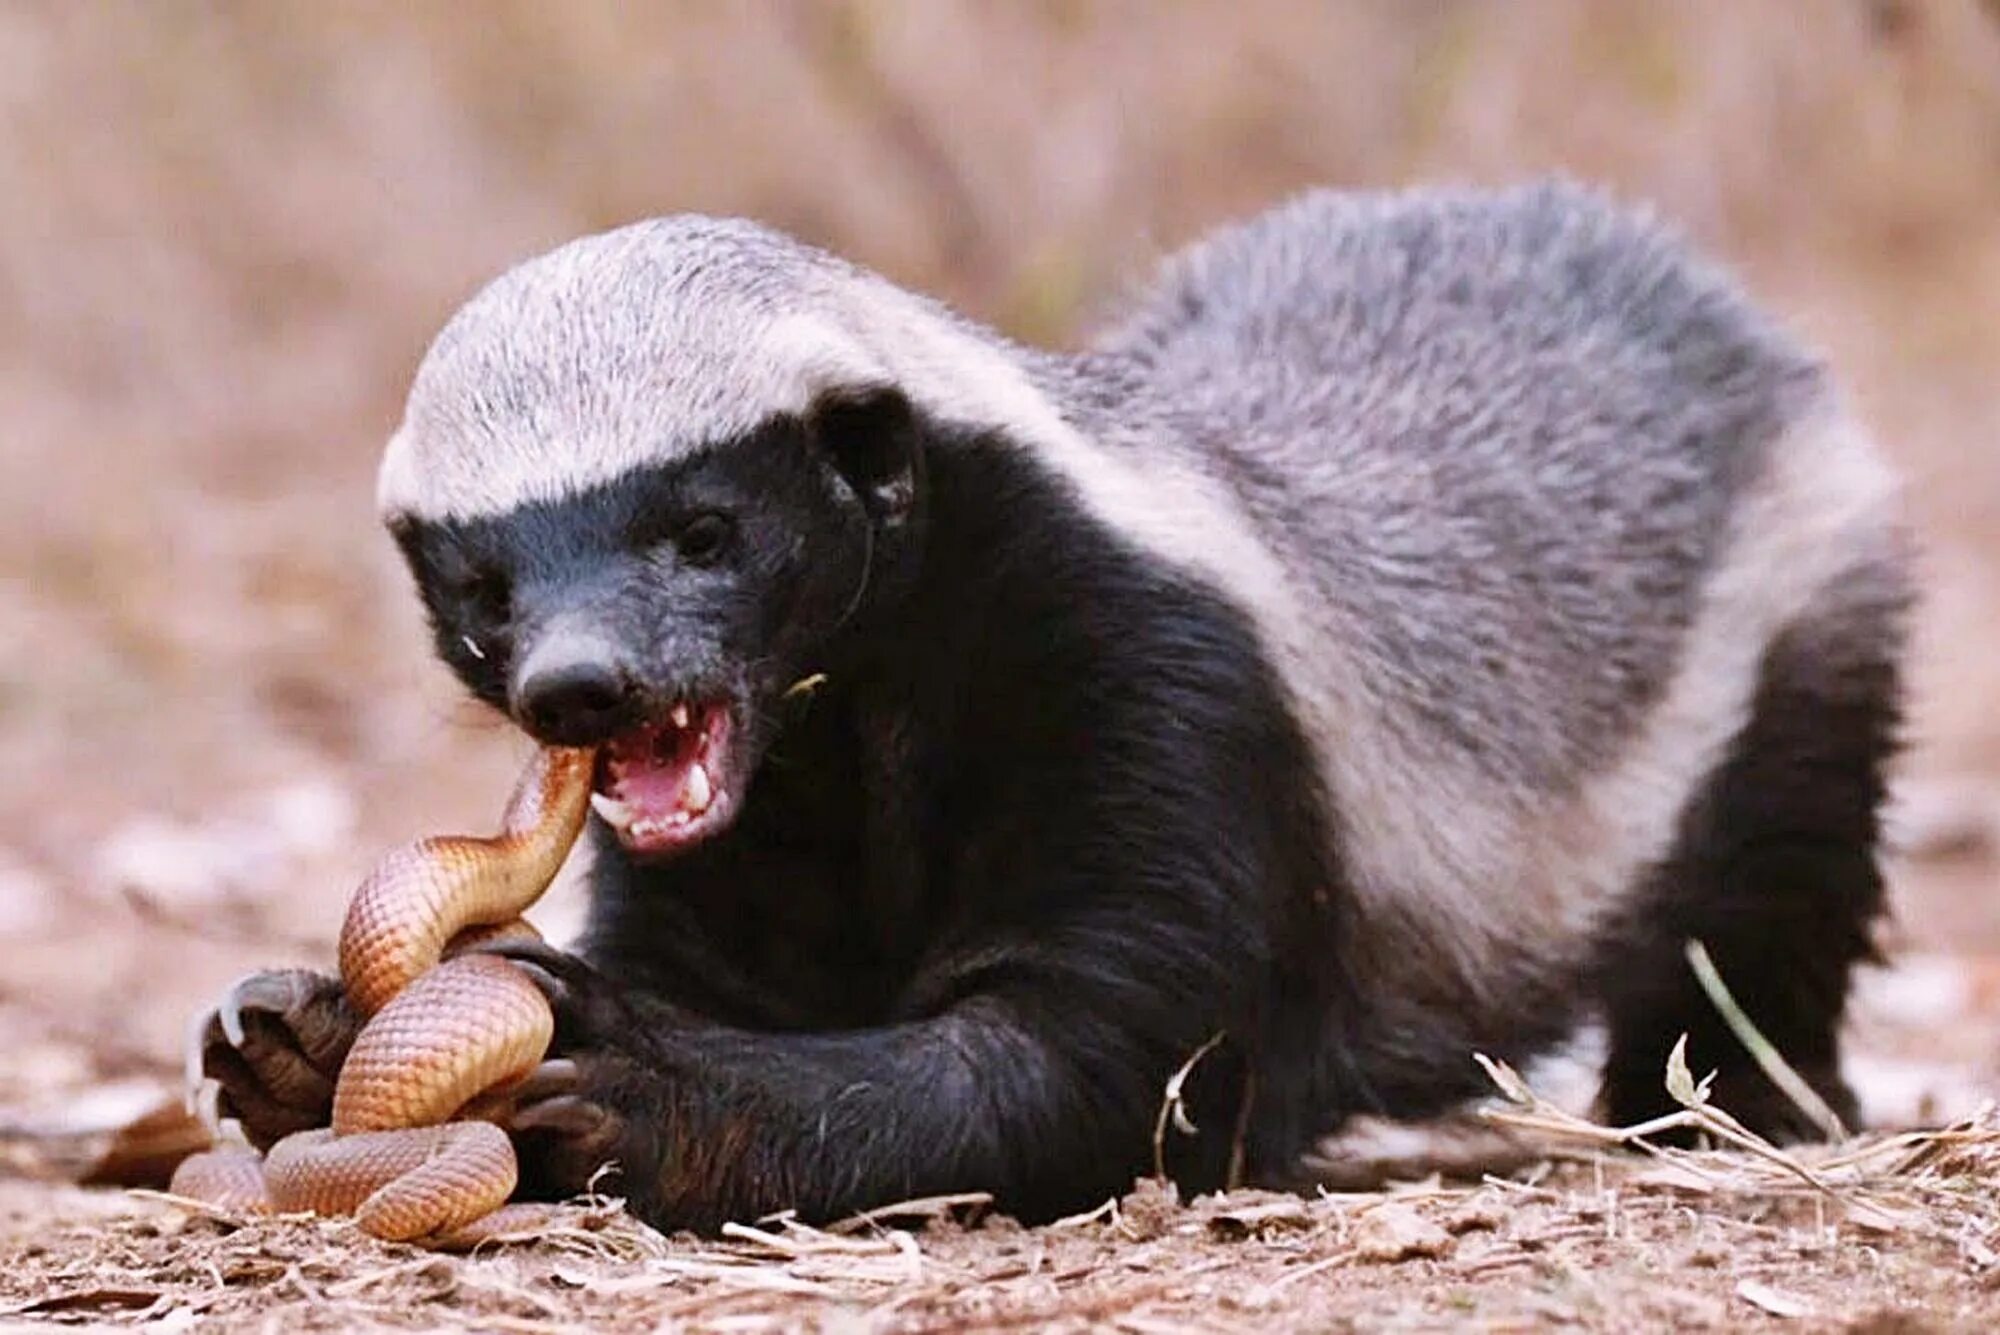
x=590 y=1010
x=566 y=1140
x=274 y=1045
x=565 y=1118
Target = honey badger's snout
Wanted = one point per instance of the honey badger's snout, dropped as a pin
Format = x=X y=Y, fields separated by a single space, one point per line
x=575 y=686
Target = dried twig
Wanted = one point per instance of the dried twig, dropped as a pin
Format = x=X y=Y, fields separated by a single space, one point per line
x=922 y=1207
x=1766 y=1053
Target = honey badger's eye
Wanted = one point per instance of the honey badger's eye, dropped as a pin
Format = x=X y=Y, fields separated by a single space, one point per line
x=705 y=539
x=488 y=595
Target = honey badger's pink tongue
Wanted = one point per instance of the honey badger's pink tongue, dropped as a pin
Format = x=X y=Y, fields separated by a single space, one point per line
x=658 y=780
x=660 y=790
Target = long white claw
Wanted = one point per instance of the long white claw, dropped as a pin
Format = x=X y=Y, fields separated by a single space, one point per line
x=696 y=792
x=230 y=1014
x=205 y=1104
x=615 y=813
x=263 y=991
x=192 y=1075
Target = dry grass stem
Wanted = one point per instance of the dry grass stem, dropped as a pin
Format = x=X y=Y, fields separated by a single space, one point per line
x=1766 y=1053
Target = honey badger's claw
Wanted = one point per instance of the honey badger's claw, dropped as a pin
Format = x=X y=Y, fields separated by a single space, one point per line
x=279 y=992
x=554 y=971
x=558 y=1075
x=565 y=1115
x=268 y=1052
x=194 y=1080
x=552 y=987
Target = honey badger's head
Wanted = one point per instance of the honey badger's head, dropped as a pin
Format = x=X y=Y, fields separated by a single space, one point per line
x=642 y=482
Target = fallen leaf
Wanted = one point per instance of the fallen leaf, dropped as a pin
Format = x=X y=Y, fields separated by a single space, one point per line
x=1260 y=1217
x=145 y=1150
x=1774 y=1301
x=1475 y=1217
x=1395 y=1232
x=88 y=1300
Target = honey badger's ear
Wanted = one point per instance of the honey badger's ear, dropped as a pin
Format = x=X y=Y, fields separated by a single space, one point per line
x=870 y=435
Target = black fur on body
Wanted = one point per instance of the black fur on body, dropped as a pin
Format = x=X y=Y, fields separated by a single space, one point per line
x=1059 y=811
x=982 y=897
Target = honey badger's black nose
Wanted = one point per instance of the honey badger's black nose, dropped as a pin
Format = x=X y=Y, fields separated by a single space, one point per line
x=572 y=692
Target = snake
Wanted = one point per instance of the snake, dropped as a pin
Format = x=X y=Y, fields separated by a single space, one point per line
x=445 y=1034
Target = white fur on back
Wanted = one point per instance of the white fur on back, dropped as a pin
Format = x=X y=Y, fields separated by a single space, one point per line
x=1450 y=864
x=1517 y=871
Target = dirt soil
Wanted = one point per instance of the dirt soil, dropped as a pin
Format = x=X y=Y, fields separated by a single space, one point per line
x=1600 y=1246
x=1568 y=1234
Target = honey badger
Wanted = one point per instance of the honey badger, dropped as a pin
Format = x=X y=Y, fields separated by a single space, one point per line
x=1394 y=638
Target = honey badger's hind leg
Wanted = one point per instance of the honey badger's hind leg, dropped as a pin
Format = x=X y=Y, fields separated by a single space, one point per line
x=1775 y=871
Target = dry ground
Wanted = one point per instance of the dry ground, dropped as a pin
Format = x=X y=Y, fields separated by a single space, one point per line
x=228 y=229
x=1888 y=1233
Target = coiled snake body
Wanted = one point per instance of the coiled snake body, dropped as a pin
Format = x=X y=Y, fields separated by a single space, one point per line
x=442 y=1030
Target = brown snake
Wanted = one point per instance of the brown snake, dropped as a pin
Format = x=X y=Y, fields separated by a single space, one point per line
x=441 y=1030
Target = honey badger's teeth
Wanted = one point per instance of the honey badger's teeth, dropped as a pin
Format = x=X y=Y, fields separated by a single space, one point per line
x=679 y=715
x=615 y=813
x=653 y=829
x=696 y=793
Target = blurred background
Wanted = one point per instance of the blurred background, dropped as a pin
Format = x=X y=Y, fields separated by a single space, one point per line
x=227 y=231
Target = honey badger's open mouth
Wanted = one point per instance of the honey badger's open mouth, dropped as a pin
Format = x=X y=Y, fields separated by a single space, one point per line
x=665 y=785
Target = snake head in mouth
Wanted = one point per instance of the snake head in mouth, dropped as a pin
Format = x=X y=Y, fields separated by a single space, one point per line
x=667 y=776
